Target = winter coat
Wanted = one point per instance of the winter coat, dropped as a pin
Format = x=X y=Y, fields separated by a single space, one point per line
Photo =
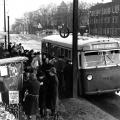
x=31 y=103
x=52 y=94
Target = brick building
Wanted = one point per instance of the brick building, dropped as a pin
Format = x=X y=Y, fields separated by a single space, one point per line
x=104 y=19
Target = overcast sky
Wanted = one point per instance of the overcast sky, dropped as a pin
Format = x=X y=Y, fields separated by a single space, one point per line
x=16 y=8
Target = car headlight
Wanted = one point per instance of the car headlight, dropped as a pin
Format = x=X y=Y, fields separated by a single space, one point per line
x=89 y=77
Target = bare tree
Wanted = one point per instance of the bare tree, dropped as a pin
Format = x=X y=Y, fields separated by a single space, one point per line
x=51 y=16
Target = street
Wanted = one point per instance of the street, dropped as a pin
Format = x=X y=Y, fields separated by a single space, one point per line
x=29 y=42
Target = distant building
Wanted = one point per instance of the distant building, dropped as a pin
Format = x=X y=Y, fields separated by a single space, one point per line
x=83 y=17
x=104 y=19
x=65 y=16
x=62 y=14
x=115 y=0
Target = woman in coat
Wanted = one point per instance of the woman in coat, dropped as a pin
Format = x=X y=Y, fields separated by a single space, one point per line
x=31 y=103
x=52 y=93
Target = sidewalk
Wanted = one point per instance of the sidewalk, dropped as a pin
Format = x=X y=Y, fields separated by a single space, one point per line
x=81 y=109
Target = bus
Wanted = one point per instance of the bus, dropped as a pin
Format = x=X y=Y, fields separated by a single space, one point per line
x=98 y=61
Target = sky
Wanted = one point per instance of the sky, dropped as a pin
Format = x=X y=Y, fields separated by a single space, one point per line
x=17 y=8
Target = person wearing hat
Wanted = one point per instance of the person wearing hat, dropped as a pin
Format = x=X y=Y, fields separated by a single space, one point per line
x=42 y=92
x=52 y=94
x=31 y=99
x=10 y=47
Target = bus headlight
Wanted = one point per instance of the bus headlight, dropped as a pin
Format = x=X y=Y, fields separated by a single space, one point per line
x=89 y=77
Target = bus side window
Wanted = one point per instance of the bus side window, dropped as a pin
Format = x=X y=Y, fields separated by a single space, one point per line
x=70 y=54
x=43 y=47
x=66 y=53
x=49 y=47
x=52 y=51
x=46 y=47
x=62 y=52
x=58 y=52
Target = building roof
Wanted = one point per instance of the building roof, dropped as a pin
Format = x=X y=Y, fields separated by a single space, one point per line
x=103 y=5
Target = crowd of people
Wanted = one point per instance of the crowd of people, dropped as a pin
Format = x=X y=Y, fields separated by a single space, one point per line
x=43 y=81
x=40 y=88
x=15 y=49
x=40 y=81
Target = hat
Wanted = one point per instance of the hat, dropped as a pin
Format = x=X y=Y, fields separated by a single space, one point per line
x=53 y=70
x=40 y=73
x=29 y=69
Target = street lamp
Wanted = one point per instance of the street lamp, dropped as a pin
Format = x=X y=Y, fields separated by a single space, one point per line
x=8 y=30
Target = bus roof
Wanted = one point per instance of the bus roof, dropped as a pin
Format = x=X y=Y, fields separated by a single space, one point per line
x=12 y=60
x=82 y=40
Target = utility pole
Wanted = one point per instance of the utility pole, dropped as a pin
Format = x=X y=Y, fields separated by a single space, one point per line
x=74 y=48
x=5 y=24
x=8 y=31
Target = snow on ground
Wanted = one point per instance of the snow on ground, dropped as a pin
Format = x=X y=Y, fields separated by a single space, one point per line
x=28 y=41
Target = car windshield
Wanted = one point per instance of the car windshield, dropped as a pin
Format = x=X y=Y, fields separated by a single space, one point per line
x=102 y=58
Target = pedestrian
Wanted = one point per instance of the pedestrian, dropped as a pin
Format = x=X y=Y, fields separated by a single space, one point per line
x=52 y=93
x=36 y=62
x=14 y=50
x=32 y=96
x=46 y=65
x=30 y=56
x=59 y=65
x=42 y=92
x=20 y=49
x=43 y=58
x=10 y=47
x=26 y=77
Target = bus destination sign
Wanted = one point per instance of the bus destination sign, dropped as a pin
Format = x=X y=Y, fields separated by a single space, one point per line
x=104 y=46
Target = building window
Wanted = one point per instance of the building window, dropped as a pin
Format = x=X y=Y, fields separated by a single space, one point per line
x=91 y=20
x=118 y=31
x=100 y=31
x=115 y=31
x=112 y=31
x=101 y=20
x=107 y=20
x=108 y=10
x=104 y=31
x=113 y=9
x=117 y=8
x=94 y=20
x=115 y=19
x=108 y=31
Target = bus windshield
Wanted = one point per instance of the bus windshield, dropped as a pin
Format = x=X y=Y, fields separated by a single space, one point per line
x=102 y=58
